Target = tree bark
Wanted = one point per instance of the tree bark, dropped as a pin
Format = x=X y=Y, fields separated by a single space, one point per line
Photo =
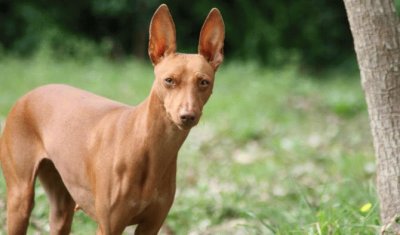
x=375 y=28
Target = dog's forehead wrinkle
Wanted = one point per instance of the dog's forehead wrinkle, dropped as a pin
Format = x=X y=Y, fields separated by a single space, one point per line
x=185 y=66
x=195 y=64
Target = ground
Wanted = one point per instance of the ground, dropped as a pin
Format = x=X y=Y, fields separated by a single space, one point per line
x=278 y=151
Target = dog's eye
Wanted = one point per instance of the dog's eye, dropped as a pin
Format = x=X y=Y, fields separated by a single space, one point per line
x=169 y=81
x=204 y=83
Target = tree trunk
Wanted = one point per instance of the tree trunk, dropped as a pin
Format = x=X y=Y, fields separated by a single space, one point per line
x=375 y=28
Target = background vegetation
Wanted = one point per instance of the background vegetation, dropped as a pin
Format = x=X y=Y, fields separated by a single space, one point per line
x=284 y=145
x=311 y=32
x=277 y=151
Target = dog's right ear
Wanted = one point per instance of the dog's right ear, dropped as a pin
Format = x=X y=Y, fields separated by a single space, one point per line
x=162 y=38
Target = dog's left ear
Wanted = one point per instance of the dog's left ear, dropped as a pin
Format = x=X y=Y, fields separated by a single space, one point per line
x=211 y=43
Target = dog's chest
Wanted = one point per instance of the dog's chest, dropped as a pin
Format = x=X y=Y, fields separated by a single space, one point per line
x=140 y=190
x=139 y=205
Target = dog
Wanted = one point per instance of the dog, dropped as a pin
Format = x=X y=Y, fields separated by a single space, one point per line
x=115 y=162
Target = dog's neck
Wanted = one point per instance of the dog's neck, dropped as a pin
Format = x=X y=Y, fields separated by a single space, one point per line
x=160 y=141
x=159 y=123
x=158 y=133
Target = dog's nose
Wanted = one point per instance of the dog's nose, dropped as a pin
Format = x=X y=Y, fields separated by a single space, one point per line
x=188 y=118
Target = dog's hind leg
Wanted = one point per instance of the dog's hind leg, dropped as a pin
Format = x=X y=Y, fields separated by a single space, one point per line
x=19 y=207
x=20 y=202
x=21 y=151
x=61 y=203
x=19 y=168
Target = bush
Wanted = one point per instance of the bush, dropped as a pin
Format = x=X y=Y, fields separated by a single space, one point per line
x=314 y=33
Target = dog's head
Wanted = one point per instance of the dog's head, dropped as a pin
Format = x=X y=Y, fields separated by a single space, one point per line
x=184 y=82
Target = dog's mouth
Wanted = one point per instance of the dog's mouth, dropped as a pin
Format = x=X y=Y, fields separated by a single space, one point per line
x=181 y=126
x=183 y=122
x=185 y=127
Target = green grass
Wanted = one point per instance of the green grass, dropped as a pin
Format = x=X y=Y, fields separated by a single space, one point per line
x=276 y=152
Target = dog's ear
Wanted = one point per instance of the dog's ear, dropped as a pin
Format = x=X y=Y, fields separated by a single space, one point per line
x=211 y=43
x=162 y=38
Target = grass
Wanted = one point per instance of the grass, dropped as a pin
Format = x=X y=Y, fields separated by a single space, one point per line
x=276 y=152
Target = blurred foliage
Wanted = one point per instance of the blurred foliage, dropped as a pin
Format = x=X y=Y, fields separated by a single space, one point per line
x=277 y=151
x=313 y=33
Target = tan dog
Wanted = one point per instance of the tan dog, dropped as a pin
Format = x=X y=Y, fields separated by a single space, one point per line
x=114 y=161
